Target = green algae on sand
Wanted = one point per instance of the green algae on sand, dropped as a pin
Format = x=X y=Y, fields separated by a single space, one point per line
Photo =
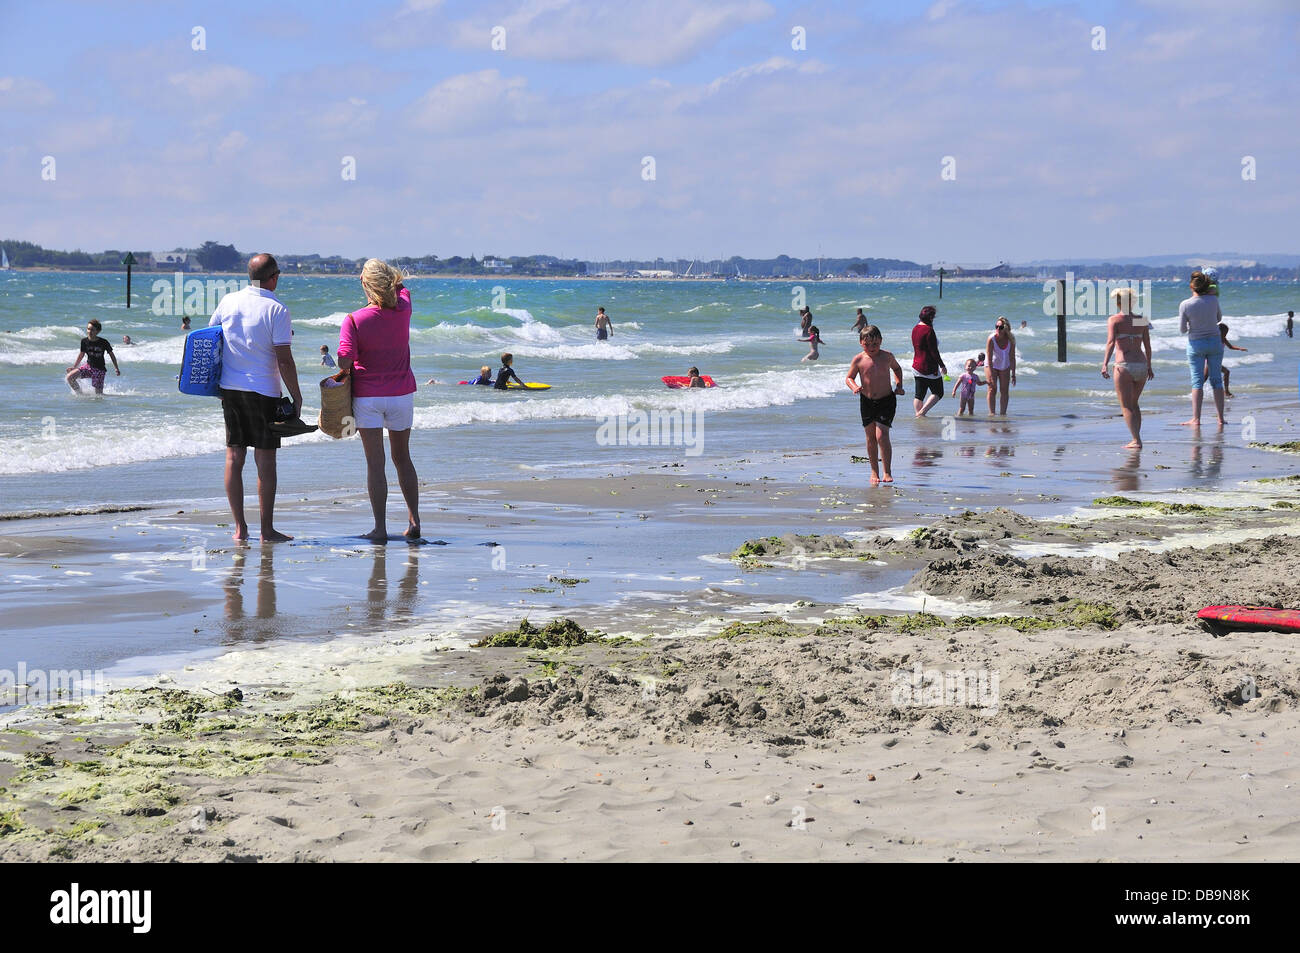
x=558 y=633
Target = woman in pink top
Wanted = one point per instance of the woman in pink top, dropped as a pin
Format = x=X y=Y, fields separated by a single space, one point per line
x=375 y=348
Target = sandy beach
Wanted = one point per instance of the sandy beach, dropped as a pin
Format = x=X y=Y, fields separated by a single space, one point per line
x=1036 y=688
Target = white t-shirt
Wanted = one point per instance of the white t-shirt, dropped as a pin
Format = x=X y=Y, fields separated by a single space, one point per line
x=253 y=322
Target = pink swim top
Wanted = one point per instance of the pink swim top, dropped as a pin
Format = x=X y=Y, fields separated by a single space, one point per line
x=378 y=340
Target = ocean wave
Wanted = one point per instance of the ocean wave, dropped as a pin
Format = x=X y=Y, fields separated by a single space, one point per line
x=334 y=320
x=114 y=446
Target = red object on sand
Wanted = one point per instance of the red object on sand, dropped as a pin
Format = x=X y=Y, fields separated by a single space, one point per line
x=1251 y=617
x=675 y=382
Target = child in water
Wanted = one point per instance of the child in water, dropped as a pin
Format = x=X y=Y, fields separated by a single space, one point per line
x=507 y=373
x=484 y=376
x=325 y=359
x=814 y=338
x=93 y=349
x=696 y=379
x=1223 y=333
x=877 y=401
x=967 y=384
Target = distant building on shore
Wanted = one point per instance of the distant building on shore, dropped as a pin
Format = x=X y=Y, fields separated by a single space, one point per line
x=654 y=273
x=496 y=264
x=914 y=273
x=172 y=260
x=1000 y=270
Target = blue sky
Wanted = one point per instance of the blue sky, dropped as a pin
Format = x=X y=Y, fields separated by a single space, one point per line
x=759 y=149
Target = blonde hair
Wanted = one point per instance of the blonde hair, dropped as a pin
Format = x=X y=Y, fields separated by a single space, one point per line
x=380 y=280
x=1123 y=298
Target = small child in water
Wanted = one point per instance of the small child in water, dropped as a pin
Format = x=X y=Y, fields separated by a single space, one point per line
x=877 y=401
x=696 y=379
x=814 y=338
x=484 y=376
x=507 y=373
x=1223 y=334
x=967 y=384
x=325 y=359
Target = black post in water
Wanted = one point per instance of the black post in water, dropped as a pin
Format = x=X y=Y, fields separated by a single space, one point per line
x=1060 y=320
x=941 y=283
x=129 y=260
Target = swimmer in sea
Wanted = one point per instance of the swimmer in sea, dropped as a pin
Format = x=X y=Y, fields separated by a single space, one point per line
x=604 y=326
x=814 y=338
x=507 y=373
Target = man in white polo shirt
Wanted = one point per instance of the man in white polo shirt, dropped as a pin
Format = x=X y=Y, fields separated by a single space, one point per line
x=255 y=331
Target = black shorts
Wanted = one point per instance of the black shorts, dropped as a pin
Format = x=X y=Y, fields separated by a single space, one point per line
x=879 y=410
x=247 y=415
x=929 y=385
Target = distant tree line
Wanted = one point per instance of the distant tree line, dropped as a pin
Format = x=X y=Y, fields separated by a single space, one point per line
x=212 y=256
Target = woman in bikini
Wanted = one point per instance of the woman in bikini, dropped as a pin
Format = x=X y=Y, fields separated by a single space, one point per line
x=1001 y=349
x=1129 y=335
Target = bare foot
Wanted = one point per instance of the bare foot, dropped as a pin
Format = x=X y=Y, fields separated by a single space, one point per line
x=1221 y=423
x=889 y=477
x=274 y=536
x=376 y=536
x=875 y=480
x=241 y=535
x=1133 y=445
x=1227 y=393
x=412 y=531
x=1190 y=423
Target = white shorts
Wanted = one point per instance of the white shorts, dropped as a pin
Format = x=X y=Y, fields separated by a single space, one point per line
x=395 y=413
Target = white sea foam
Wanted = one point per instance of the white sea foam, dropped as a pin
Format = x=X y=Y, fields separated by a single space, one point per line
x=334 y=320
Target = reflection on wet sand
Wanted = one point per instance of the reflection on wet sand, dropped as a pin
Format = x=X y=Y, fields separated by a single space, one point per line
x=401 y=607
x=1203 y=468
x=1127 y=475
x=925 y=456
x=263 y=624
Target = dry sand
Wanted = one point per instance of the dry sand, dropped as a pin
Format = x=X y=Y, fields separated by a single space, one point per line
x=1119 y=730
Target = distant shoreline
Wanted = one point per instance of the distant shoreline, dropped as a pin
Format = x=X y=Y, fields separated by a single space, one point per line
x=441 y=276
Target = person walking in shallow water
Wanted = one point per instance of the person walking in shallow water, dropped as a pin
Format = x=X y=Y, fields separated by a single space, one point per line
x=1198 y=318
x=927 y=365
x=1131 y=343
x=1001 y=349
x=375 y=348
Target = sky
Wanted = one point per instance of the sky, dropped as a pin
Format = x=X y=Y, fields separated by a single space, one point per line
x=954 y=130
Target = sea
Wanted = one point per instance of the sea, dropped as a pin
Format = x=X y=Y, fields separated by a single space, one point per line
x=143 y=441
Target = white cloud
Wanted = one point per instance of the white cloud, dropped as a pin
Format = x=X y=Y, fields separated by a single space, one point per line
x=21 y=92
x=215 y=83
x=470 y=99
x=634 y=32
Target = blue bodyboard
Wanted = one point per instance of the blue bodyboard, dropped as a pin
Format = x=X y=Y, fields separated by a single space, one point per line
x=201 y=363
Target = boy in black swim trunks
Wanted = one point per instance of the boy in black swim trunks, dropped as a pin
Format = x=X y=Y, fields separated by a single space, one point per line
x=877 y=401
x=93 y=347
